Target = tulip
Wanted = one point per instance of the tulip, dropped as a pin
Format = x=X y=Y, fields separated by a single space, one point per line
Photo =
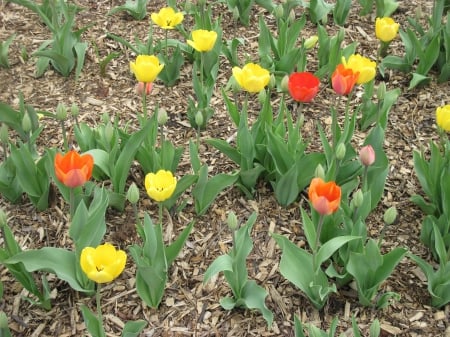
x=324 y=197
x=303 y=86
x=363 y=66
x=146 y=68
x=72 y=169
x=102 y=264
x=203 y=40
x=167 y=18
x=367 y=155
x=160 y=186
x=343 y=80
x=252 y=77
x=142 y=87
x=443 y=117
x=386 y=29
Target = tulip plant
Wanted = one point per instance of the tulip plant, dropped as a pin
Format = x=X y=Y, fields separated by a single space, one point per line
x=4 y=50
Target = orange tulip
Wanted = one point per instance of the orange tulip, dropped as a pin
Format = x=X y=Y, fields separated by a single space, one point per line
x=343 y=80
x=324 y=197
x=72 y=169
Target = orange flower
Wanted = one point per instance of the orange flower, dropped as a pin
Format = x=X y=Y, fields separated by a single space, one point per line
x=303 y=86
x=72 y=169
x=324 y=197
x=343 y=80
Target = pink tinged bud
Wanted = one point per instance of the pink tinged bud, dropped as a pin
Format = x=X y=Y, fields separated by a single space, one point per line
x=143 y=86
x=322 y=206
x=367 y=155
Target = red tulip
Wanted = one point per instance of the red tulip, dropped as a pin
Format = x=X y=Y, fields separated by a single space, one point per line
x=72 y=169
x=303 y=86
x=343 y=80
x=324 y=197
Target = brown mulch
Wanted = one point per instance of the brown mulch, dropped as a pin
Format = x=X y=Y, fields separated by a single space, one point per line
x=189 y=307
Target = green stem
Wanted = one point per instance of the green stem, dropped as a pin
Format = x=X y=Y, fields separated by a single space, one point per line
x=382 y=234
x=198 y=137
x=235 y=286
x=167 y=47
x=317 y=243
x=99 y=310
x=202 y=57
x=71 y=202
x=144 y=105
x=64 y=134
x=160 y=212
x=364 y=179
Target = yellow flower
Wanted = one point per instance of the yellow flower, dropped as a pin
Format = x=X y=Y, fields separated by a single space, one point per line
x=146 y=68
x=160 y=186
x=102 y=264
x=443 y=117
x=365 y=67
x=167 y=18
x=252 y=77
x=203 y=40
x=386 y=29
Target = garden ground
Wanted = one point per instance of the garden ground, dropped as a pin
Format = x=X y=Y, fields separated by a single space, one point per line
x=190 y=308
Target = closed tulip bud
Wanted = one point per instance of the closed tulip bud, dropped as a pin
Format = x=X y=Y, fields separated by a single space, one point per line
x=319 y=172
x=381 y=92
x=358 y=198
x=61 y=112
x=272 y=81
x=162 y=116
x=74 y=110
x=390 y=215
x=26 y=123
x=133 y=194
x=232 y=221
x=236 y=13
x=4 y=137
x=109 y=132
x=291 y=17
x=367 y=155
x=3 y=218
x=188 y=6
x=311 y=42
x=279 y=11
x=199 y=118
x=340 y=151
x=285 y=84
x=105 y=118
x=262 y=96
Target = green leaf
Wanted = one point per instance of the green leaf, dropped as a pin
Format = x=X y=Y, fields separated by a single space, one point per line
x=418 y=80
x=228 y=303
x=4 y=49
x=286 y=189
x=4 y=329
x=133 y=328
x=101 y=160
x=254 y=298
x=58 y=261
x=80 y=51
x=93 y=325
x=174 y=249
x=220 y=264
x=331 y=246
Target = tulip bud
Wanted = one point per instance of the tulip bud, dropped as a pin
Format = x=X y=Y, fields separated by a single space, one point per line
x=133 y=194
x=340 y=151
x=236 y=13
x=199 y=118
x=3 y=218
x=26 y=123
x=358 y=198
x=272 y=81
x=105 y=118
x=285 y=84
x=311 y=42
x=262 y=96
x=232 y=221
x=319 y=172
x=367 y=155
x=61 y=112
x=291 y=17
x=74 y=110
x=162 y=116
x=390 y=215
x=4 y=137
x=279 y=11
x=381 y=92
x=109 y=132
x=187 y=6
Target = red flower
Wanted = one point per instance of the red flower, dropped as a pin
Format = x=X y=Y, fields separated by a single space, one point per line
x=72 y=169
x=367 y=155
x=324 y=197
x=303 y=86
x=343 y=80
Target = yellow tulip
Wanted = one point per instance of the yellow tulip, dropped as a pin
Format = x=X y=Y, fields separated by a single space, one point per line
x=365 y=67
x=167 y=18
x=386 y=29
x=443 y=117
x=203 y=40
x=252 y=77
x=160 y=186
x=102 y=264
x=146 y=68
